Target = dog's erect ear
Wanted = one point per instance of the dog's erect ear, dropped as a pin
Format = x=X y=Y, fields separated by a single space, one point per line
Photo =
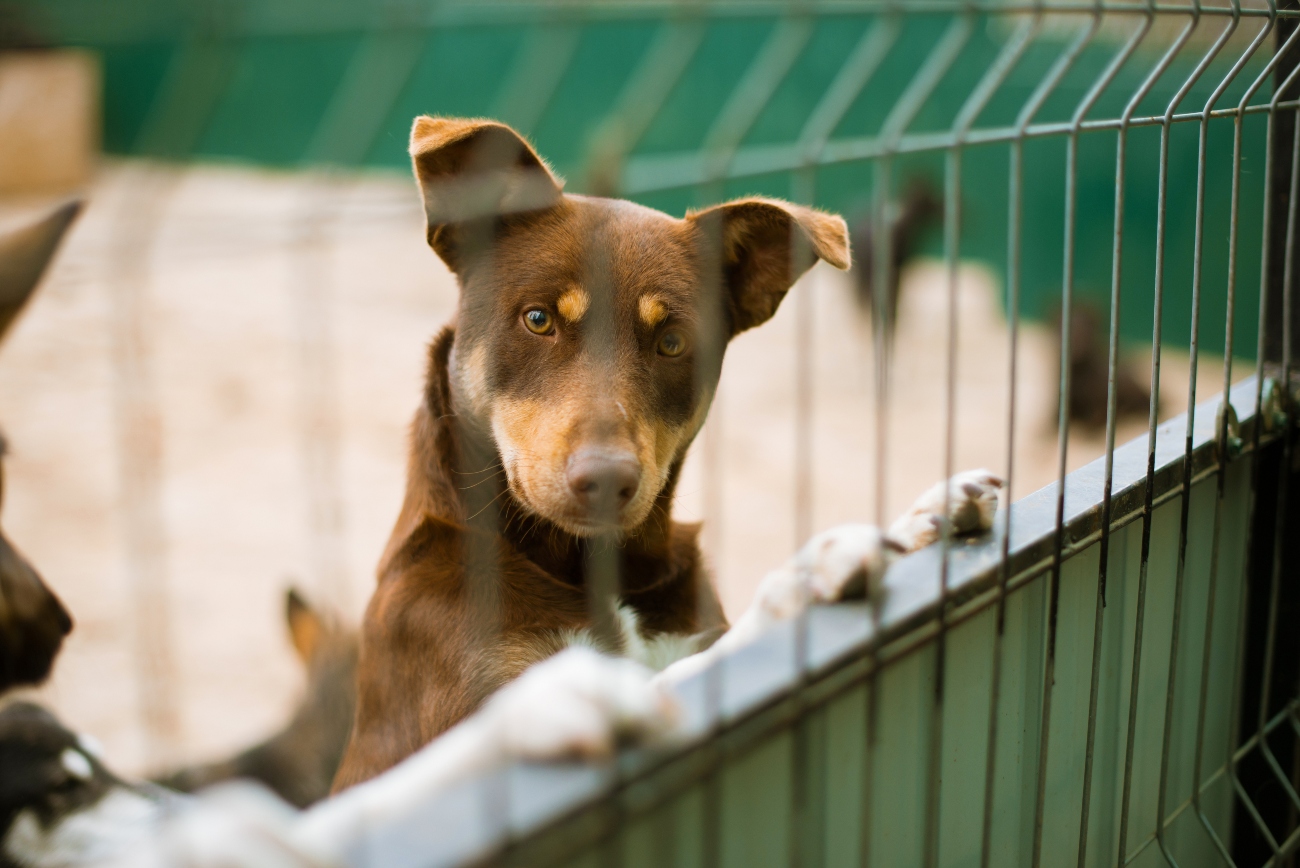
x=473 y=168
x=306 y=627
x=24 y=253
x=764 y=246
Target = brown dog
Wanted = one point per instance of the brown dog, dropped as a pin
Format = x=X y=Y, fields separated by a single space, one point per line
x=557 y=413
x=32 y=620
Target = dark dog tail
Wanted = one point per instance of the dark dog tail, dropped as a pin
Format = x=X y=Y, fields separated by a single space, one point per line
x=919 y=210
x=1090 y=369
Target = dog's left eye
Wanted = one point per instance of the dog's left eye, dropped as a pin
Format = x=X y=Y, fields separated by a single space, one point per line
x=538 y=321
x=672 y=344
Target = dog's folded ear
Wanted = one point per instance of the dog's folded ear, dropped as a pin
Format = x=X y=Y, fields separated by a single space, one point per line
x=306 y=625
x=764 y=246
x=469 y=169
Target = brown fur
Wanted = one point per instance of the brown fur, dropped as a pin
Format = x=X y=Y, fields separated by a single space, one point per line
x=490 y=565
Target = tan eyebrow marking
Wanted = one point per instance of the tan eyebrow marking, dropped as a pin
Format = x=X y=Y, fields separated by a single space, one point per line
x=652 y=309
x=573 y=304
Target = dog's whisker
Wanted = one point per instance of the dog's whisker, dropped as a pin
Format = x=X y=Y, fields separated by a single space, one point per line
x=485 y=506
x=492 y=478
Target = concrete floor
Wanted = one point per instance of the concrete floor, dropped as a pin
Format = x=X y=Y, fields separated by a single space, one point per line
x=251 y=279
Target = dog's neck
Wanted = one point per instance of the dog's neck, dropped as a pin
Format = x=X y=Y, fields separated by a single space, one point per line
x=473 y=477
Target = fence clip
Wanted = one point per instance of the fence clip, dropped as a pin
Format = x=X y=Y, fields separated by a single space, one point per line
x=1272 y=406
x=1228 y=432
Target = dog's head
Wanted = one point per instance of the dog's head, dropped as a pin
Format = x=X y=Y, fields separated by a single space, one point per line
x=590 y=332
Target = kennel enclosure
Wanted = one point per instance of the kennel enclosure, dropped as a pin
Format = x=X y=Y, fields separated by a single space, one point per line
x=1112 y=677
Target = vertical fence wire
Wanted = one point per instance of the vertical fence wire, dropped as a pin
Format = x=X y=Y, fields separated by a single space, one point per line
x=850 y=80
x=936 y=64
x=313 y=295
x=1063 y=403
x=188 y=93
x=1213 y=580
x=1156 y=348
x=139 y=446
x=970 y=111
x=641 y=99
x=1121 y=151
x=1028 y=111
x=373 y=80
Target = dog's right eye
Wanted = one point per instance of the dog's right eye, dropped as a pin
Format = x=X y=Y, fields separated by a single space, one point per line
x=538 y=321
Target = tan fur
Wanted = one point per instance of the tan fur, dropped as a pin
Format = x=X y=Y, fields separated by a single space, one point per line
x=573 y=304
x=305 y=631
x=535 y=437
x=651 y=309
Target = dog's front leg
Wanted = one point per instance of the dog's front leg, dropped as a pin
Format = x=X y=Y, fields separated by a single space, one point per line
x=849 y=561
x=576 y=704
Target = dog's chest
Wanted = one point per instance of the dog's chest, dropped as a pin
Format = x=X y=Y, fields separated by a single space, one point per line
x=655 y=651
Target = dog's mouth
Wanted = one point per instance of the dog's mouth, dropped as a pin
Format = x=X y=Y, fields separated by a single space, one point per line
x=595 y=492
x=586 y=526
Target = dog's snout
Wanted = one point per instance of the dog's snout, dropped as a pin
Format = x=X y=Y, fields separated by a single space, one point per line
x=604 y=480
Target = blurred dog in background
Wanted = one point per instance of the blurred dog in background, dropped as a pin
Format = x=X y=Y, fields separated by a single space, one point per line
x=1090 y=370
x=918 y=211
x=33 y=621
x=298 y=762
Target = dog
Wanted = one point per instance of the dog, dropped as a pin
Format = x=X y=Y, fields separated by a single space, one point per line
x=1090 y=371
x=33 y=621
x=558 y=408
x=59 y=804
x=919 y=211
x=61 y=807
x=298 y=763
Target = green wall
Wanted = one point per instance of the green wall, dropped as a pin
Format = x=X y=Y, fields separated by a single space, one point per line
x=267 y=72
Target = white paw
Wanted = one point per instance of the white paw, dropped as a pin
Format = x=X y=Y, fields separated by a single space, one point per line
x=973 y=503
x=231 y=825
x=845 y=561
x=580 y=703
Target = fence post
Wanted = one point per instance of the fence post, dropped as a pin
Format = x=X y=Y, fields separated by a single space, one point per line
x=1282 y=145
x=1267 y=684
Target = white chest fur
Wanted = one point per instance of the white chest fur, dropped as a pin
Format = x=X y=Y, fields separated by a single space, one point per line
x=655 y=652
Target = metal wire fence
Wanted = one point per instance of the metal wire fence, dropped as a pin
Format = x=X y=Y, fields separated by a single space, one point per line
x=1110 y=679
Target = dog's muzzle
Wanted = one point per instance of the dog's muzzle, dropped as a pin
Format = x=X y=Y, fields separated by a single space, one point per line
x=603 y=481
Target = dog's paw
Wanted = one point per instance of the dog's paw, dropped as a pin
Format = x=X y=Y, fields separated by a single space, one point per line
x=841 y=563
x=236 y=824
x=581 y=703
x=973 y=503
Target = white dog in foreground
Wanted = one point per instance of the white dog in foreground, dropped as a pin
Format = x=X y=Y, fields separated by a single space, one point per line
x=577 y=704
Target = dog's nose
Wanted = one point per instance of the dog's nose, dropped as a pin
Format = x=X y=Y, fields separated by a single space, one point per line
x=604 y=480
